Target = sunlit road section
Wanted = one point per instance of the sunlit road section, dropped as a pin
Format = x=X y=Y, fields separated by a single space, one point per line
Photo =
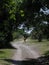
x=23 y=52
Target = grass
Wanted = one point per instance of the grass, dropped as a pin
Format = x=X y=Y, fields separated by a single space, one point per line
x=41 y=46
x=36 y=41
x=8 y=53
x=5 y=54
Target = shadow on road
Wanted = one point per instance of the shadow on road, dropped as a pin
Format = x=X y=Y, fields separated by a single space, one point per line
x=43 y=60
x=40 y=61
x=25 y=62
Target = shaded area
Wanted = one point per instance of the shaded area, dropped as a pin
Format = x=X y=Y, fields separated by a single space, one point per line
x=1 y=52
x=24 y=62
x=47 y=53
x=6 y=45
x=44 y=60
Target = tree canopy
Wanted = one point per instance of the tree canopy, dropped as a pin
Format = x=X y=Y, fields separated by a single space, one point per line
x=15 y=12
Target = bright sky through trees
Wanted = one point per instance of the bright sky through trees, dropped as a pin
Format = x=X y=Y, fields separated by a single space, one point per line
x=46 y=12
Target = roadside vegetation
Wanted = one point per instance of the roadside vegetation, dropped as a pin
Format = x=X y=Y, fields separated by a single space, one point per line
x=41 y=46
x=5 y=54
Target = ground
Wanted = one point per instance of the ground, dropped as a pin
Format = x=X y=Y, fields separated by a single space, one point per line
x=27 y=53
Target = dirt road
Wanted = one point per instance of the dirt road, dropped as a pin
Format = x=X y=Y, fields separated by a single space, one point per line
x=23 y=53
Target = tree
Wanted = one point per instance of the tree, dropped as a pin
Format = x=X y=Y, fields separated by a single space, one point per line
x=7 y=20
x=32 y=15
x=15 y=12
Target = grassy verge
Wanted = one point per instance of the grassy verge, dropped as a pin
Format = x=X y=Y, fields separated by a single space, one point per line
x=43 y=46
x=5 y=54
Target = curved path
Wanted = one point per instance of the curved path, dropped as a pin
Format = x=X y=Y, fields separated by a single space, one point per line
x=24 y=52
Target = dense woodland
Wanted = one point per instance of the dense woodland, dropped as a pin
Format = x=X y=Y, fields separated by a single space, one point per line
x=14 y=13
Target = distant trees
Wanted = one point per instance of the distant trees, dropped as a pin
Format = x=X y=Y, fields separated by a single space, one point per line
x=15 y=12
x=7 y=21
x=35 y=18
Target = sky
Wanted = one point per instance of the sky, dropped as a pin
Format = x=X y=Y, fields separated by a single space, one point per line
x=26 y=30
x=29 y=31
x=46 y=11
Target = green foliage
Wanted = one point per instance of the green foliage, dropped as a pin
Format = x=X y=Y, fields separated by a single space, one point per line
x=15 y=12
x=5 y=53
x=7 y=21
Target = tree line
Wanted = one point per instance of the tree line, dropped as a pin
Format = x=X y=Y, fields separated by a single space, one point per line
x=15 y=12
